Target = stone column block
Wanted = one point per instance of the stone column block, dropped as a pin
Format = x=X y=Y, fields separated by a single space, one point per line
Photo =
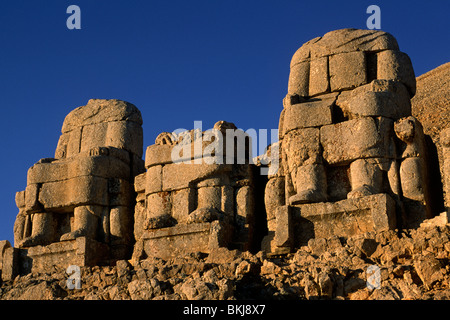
x=347 y=70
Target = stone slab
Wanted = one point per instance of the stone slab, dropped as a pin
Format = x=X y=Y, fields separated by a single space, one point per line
x=357 y=139
x=10 y=264
x=396 y=65
x=80 y=252
x=344 y=218
x=158 y=154
x=299 y=79
x=318 y=76
x=153 y=179
x=179 y=175
x=139 y=182
x=379 y=98
x=308 y=114
x=347 y=70
x=99 y=166
x=345 y=40
x=76 y=191
x=167 y=243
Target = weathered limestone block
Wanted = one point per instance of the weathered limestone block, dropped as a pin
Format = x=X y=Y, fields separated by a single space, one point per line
x=343 y=218
x=102 y=166
x=80 y=252
x=183 y=191
x=180 y=175
x=167 y=243
x=367 y=177
x=318 y=76
x=158 y=154
x=123 y=135
x=10 y=263
x=396 y=65
x=87 y=189
x=345 y=40
x=158 y=203
x=413 y=180
x=182 y=201
x=359 y=138
x=299 y=79
x=308 y=114
x=283 y=235
x=98 y=112
x=303 y=162
x=302 y=146
x=4 y=244
x=140 y=215
x=347 y=70
x=140 y=182
x=383 y=98
x=245 y=213
x=76 y=191
x=154 y=179
x=280 y=237
x=32 y=198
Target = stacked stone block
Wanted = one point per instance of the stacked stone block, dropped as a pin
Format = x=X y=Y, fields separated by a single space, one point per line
x=346 y=132
x=199 y=202
x=86 y=190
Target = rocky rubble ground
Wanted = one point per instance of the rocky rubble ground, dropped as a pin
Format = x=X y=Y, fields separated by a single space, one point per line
x=414 y=264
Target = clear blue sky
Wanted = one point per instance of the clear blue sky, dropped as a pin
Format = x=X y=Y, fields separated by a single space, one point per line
x=177 y=61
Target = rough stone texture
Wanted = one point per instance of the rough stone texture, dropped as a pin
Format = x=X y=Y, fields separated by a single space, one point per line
x=384 y=98
x=431 y=106
x=343 y=218
x=85 y=192
x=345 y=40
x=318 y=76
x=352 y=138
x=308 y=114
x=347 y=70
x=80 y=252
x=195 y=200
x=396 y=65
x=298 y=83
x=166 y=243
x=412 y=267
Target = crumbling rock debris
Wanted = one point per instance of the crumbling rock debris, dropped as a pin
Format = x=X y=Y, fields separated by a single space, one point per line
x=327 y=269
